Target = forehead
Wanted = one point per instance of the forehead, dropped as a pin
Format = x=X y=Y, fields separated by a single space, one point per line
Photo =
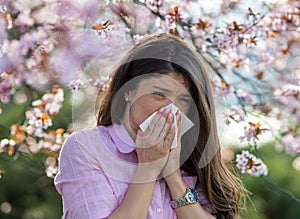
x=170 y=81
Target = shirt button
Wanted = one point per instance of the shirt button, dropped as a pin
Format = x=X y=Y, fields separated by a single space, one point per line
x=158 y=210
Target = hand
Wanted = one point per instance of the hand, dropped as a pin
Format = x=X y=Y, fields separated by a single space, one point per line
x=153 y=146
x=172 y=167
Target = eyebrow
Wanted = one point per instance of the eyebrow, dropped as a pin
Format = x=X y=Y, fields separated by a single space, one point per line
x=168 y=91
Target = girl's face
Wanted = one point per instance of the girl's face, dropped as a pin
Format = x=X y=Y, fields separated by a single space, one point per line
x=154 y=93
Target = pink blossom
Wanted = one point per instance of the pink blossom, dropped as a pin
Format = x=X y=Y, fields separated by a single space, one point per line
x=296 y=163
x=297 y=116
x=248 y=163
x=7 y=145
x=174 y=16
x=8 y=82
x=40 y=116
x=102 y=83
x=51 y=170
x=154 y=4
x=24 y=19
x=236 y=115
x=252 y=131
x=290 y=143
x=222 y=89
x=75 y=85
x=137 y=38
x=204 y=26
x=245 y=96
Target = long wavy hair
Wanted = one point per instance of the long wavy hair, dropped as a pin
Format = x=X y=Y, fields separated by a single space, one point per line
x=163 y=54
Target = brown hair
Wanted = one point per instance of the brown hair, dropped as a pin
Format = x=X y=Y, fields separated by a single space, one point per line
x=162 y=54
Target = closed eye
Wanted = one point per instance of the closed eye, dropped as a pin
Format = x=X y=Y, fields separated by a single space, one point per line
x=160 y=94
x=185 y=100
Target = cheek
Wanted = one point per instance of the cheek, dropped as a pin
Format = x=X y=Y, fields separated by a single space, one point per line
x=184 y=107
x=142 y=108
x=138 y=112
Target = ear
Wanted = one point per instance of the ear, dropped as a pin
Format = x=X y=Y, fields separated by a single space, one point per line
x=130 y=94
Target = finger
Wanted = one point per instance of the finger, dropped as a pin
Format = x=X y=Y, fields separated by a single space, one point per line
x=160 y=126
x=154 y=121
x=178 y=120
x=170 y=136
x=167 y=125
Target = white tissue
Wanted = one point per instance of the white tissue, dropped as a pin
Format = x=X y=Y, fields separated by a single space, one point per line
x=186 y=123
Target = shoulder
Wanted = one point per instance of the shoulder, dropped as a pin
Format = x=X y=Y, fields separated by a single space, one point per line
x=84 y=144
x=86 y=136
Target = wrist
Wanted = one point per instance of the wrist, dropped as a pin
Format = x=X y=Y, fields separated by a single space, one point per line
x=144 y=174
x=174 y=176
x=176 y=185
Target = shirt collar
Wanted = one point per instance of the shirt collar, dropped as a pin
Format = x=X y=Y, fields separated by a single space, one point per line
x=121 y=138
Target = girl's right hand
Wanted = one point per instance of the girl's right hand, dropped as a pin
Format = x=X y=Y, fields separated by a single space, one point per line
x=153 y=145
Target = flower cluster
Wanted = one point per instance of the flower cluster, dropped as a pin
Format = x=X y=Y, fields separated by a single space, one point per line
x=203 y=27
x=39 y=117
x=75 y=85
x=245 y=96
x=7 y=145
x=38 y=120
x=252 y=131
x=248 y=163
x=289 y=95
x=154 y=4
x=101 y=83
x=287 y=99
x=52 y=167
x=174 y=16
x=34 y=135
x=290 y=143
x=8 y=81
x=236 y=115
x=137 y=38
x=221 y=88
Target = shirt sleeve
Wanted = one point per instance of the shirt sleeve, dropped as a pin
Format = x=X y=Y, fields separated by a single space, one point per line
x=85 y=189
x=204 y=201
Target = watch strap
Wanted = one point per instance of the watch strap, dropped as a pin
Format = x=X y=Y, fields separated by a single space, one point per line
x=190 y=197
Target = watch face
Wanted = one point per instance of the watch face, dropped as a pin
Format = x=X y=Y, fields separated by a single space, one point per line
x=193 y=195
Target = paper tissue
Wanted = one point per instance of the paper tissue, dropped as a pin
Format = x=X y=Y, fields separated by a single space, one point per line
x=186 y=123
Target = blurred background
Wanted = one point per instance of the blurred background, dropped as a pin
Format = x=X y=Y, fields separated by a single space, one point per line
x=56 y=57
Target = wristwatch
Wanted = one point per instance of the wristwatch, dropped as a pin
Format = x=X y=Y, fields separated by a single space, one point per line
x=190 y=197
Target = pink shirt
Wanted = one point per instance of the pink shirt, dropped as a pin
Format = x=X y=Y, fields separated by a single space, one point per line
x=95 y=169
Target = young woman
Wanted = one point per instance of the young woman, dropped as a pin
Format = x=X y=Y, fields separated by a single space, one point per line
x=116 y=170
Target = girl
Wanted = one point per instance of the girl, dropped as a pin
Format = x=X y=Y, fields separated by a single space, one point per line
x=116 y=170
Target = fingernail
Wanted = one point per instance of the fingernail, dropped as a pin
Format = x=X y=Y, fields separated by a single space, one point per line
x=161 y=109
x=170 y=116
x=173 y=127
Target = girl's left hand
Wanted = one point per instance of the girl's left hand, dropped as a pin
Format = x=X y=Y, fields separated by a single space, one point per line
x=172 y=167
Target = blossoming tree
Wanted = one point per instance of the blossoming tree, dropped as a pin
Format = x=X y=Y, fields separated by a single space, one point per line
x=51 y=47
